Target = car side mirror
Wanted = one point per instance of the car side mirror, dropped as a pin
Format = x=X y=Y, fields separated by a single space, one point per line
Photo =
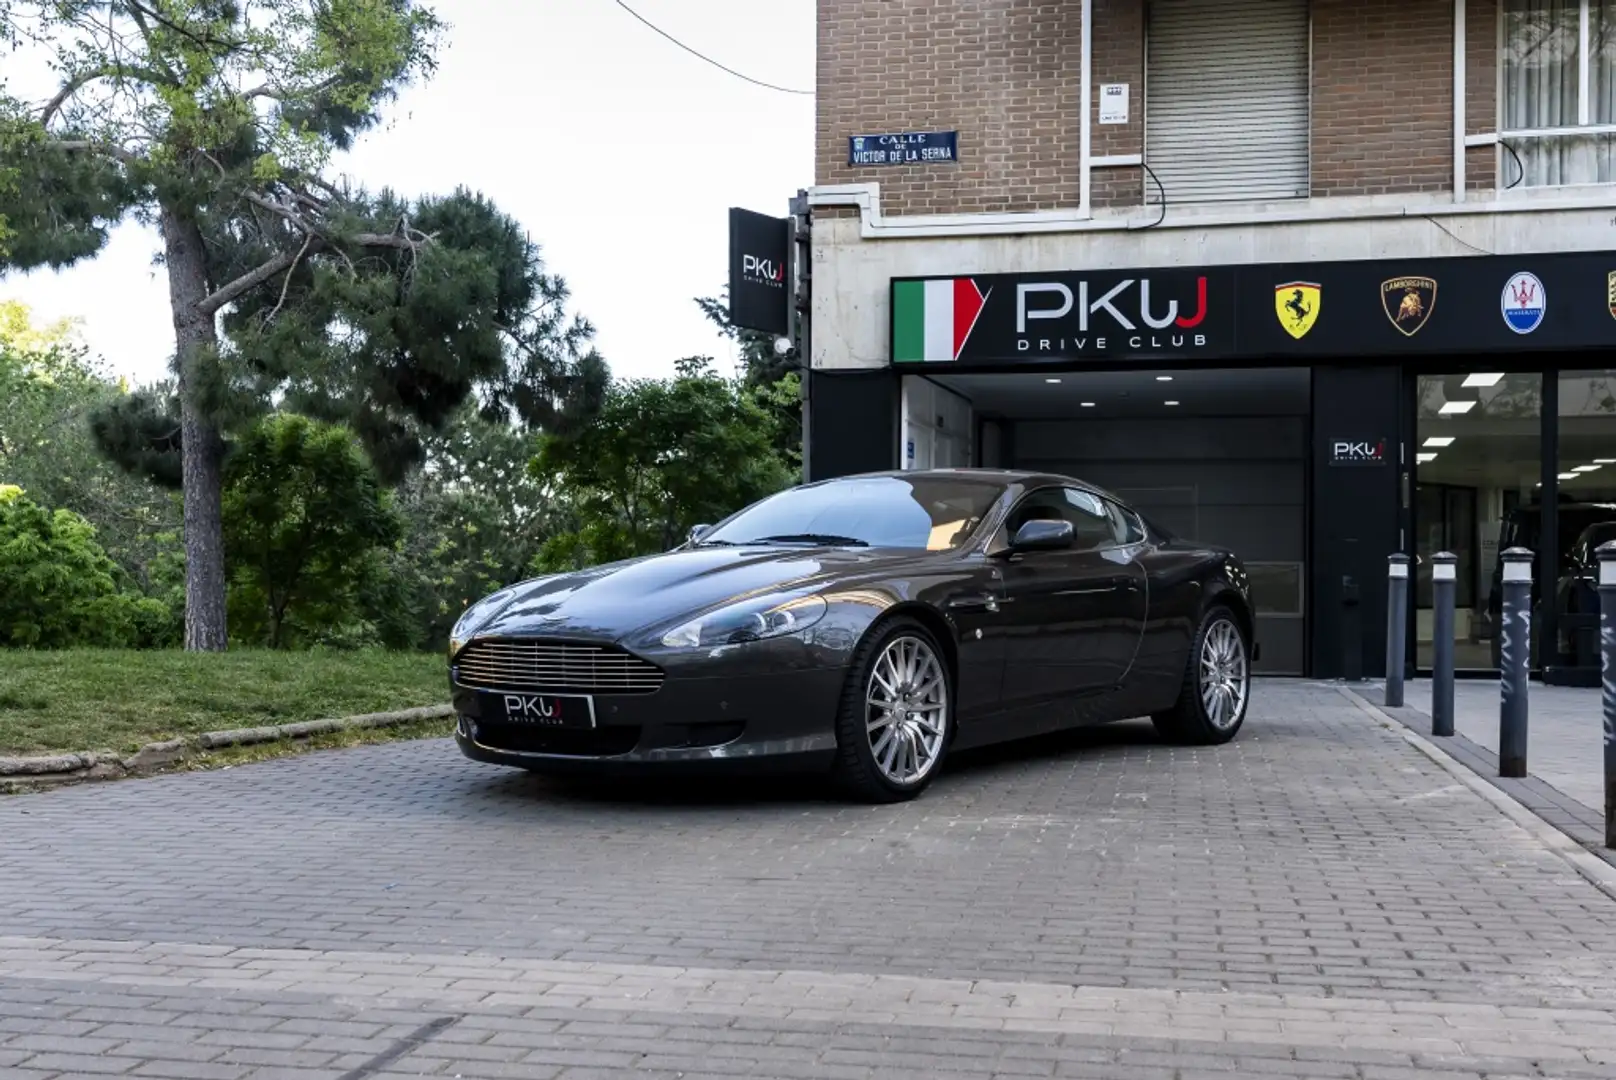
x=1043 y=536
x=699 y=531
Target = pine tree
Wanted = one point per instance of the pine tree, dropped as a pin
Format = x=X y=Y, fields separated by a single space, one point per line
x=215 y=121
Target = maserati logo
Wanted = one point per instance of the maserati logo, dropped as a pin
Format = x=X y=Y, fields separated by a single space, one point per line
x=1297 y=305
x=1408 y=302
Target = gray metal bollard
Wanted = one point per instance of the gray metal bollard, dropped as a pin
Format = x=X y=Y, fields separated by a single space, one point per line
x=1607 y=681
x=1396 y=627
x=1515 y=651
x=1444 y=583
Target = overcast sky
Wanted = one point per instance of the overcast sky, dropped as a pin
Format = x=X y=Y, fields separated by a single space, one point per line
x=620 y=153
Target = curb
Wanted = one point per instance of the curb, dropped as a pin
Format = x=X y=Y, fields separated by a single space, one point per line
x=22 y=773
x=1595 y=870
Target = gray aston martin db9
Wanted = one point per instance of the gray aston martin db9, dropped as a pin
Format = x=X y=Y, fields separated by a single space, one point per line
x=865 y=626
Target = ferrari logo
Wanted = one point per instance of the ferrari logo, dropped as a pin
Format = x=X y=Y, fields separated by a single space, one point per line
x=1408 y=302
x=1610 y=292
x=1297 y=305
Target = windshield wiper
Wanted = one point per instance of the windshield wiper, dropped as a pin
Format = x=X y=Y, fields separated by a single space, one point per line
x=825 y=539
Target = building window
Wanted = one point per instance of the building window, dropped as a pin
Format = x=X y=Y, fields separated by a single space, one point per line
x=1559 y=76
x=1226 y=100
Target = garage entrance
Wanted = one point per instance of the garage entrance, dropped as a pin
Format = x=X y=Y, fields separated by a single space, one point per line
x=1219 y=456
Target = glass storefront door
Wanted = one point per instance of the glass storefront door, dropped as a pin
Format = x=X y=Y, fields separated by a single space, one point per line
x=1477 y=476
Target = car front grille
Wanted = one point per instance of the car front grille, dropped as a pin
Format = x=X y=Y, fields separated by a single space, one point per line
x=555 y=668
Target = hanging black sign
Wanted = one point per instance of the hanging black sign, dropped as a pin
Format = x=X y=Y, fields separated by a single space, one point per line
x=1288 y=312
x=759 y=289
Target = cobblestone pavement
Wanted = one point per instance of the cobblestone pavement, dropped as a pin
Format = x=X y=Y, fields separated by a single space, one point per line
x=1317 y=899
x=1565 y=736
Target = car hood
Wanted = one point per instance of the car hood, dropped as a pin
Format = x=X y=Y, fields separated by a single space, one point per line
x=620 y=599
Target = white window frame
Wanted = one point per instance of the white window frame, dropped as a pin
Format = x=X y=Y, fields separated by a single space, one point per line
x=1584 y=105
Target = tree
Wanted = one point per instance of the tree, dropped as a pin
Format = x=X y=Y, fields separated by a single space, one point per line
x=215 y=121
x=49 y=388
x=775 y=377
x=57 y=587
x=660 y=457
x=304 y=514
x=475 y=517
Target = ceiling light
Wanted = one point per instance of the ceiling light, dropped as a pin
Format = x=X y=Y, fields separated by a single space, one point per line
x=1164 y=378
x=1454 y=408
x=1052 y=380
x=1605 y=461
x=1088 y=404
x=1587 y=468
x=1439 y=440
x=1423 y=458
x=1568 y=476
x=1483 y=379
x=1169 y=403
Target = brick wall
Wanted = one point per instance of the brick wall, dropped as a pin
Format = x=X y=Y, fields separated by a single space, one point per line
x=1481 y=90
x=1003 y=73
x=1119 y=57
x=1382 y=97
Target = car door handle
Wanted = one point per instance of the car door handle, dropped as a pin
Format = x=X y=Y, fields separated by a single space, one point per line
x=980 y=602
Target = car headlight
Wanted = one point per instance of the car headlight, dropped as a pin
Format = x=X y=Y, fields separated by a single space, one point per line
x=749 y=620
x=474 y=618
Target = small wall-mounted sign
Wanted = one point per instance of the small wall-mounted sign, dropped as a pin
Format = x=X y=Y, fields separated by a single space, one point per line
x=1357 y=451
x=904 y=148
x=1114 y=103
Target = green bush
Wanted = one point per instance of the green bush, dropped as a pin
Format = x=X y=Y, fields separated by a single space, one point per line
x=59 y=589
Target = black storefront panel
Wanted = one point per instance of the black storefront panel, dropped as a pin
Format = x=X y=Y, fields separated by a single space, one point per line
x=1355 y=504
x=1283 y=313
x=852 y=422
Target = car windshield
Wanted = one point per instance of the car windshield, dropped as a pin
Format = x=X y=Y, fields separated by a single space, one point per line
x=932 y=513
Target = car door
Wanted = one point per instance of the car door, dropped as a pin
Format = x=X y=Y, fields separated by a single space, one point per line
x=1132 y=598
x=1068 y=625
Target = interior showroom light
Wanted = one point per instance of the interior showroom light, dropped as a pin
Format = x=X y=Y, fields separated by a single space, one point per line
x=1164 y=378
x=1052 y=380
x=1568 y=476
x=1423 y=458
x=1486 y=378
x=1169 y=403
x=1587 y=468
x=1605 y=461
x=1439 y=440
x=1454 y=408
x=1088 y=404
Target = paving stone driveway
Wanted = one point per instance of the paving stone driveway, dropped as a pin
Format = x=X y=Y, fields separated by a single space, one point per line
x=1317 y=899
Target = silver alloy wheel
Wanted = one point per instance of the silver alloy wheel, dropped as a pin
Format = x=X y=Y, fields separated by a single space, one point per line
x=1225 y=677
x=906 y=713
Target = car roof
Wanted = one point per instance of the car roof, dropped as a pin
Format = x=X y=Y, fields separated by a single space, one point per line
x=1001 y=477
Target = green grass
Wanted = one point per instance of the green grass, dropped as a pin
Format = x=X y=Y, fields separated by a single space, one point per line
x=95 y=699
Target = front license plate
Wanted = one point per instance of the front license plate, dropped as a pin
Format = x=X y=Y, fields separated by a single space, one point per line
x=539 y=710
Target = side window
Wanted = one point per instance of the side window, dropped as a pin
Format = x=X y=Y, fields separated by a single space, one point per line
x=1092 y=525
x=1128 y=527
x=1090 y=521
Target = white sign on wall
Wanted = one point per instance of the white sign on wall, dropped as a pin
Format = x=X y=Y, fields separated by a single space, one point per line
x=1113 y=103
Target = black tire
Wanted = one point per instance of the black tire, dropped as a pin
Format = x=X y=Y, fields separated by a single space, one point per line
x=857 y=770
x=1188 y=721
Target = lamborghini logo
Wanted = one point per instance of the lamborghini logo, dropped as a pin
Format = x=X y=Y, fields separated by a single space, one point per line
x=1297 y=305
x=1610 y=292
x=1408 y=302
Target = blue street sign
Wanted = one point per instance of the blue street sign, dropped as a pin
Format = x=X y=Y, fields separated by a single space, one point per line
x=904 y=148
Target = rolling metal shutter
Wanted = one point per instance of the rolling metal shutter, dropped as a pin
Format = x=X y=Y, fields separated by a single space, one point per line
x=1226 y=100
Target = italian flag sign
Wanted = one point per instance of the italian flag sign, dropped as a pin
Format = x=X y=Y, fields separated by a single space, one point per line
x=932 y=319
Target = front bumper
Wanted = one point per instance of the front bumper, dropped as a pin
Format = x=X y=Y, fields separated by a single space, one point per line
x=764 y=716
